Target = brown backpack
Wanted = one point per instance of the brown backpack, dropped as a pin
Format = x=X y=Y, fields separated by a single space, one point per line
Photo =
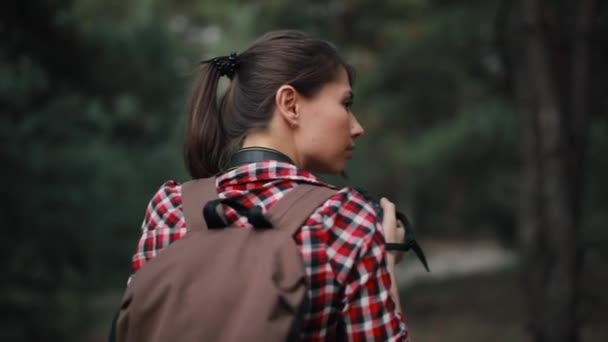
x=226 y=284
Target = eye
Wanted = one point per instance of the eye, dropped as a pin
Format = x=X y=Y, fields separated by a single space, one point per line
x=348 y=104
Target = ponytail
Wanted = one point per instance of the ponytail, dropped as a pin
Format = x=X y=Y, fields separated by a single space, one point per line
x=216 y=128
x=205 y=138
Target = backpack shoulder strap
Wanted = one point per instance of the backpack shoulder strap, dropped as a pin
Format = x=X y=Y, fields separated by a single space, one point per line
x=297 y=205
x=195 y=194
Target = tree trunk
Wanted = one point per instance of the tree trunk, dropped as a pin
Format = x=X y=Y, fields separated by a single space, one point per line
x=551 y=102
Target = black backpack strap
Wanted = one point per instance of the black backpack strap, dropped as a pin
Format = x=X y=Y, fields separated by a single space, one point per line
x=297 y=205
x=195 y=194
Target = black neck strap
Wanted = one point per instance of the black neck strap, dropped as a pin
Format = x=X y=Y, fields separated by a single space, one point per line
x=256 y=154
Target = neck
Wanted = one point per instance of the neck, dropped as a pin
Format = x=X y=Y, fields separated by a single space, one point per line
x=265 y=141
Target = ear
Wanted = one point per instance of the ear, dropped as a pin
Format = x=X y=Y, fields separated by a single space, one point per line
x=286 y=101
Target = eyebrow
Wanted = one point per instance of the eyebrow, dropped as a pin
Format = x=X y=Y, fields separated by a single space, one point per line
x=350 y=95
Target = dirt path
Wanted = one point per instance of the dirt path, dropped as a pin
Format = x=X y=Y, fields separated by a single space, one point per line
x=454 y=258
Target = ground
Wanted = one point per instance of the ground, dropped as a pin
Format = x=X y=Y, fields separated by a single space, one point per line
x=472 y=294
x=482 y=303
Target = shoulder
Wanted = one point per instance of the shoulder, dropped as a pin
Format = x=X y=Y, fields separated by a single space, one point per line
x=352 y=231
x=165 y=206
x=169 y=190
x=163 y=223
x=350 y=208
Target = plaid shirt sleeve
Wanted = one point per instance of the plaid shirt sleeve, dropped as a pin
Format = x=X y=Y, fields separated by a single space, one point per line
x=163 y=224
x=356 y=250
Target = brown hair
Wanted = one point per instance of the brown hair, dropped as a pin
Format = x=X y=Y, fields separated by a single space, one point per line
x=213 y=132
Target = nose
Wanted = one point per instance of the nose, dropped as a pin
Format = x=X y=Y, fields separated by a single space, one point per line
x=356 y=130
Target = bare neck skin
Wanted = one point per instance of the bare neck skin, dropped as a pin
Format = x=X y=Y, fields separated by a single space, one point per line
x=278 y=135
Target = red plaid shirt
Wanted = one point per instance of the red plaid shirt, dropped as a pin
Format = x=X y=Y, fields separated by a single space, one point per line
x=341 y=244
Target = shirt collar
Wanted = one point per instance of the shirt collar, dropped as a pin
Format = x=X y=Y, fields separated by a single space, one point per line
x=268 y=170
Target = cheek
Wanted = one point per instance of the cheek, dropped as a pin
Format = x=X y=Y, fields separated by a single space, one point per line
x=323 y=142
x=335 y=119
x=325 y=129
x=340 y=125
x=330 y=129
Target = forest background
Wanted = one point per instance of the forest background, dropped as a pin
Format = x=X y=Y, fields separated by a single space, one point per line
x=486 y=122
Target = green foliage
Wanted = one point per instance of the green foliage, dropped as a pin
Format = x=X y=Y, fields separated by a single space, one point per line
x=88 y=115
x=93 y=96
x=465 y=168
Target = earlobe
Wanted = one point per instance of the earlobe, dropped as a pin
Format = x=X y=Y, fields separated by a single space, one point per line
x=286 y=101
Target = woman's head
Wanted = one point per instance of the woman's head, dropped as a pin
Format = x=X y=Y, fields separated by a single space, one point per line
x=289 y=91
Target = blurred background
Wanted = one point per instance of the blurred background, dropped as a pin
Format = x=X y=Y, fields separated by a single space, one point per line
x=486 y=122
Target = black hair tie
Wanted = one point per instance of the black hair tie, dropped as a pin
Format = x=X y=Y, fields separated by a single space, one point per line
x=226 y=65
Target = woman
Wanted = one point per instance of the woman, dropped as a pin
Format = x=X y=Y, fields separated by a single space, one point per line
x=290 y=95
